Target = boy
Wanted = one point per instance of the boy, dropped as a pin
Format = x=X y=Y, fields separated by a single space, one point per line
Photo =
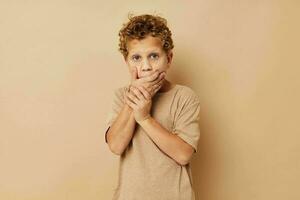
x=153 y=124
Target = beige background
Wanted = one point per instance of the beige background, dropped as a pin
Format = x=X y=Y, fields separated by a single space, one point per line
x=59 y=64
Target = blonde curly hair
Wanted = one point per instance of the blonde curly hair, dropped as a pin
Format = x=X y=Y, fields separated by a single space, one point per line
x=138 y=27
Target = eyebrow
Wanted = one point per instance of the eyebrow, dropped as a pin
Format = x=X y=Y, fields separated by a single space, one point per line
x=153 y=51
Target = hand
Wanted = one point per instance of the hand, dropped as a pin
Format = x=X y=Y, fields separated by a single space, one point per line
x=140 y=101
x=152 y=83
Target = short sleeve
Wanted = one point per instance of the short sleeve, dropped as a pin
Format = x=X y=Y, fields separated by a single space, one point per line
x=186 y=124
x=115 y=108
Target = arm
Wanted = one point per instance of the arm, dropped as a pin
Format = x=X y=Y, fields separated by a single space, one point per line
x=176 y=147
x=169 y=143
x=121 y=131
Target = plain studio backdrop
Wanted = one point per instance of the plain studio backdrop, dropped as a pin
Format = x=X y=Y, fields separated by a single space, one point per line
x=59 y=63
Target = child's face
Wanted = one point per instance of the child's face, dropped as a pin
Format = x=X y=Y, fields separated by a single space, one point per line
x=147 y=55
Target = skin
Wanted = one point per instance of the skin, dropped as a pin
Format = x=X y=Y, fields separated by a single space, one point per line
x=148 y=64
x=145 y=56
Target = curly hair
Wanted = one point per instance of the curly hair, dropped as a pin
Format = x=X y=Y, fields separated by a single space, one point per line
x=138 y=27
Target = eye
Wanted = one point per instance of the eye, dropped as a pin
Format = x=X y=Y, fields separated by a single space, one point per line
x=154 y=55
x=135 y=57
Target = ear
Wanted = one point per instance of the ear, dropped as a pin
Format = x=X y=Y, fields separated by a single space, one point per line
x=125 y=59
x=170 y=57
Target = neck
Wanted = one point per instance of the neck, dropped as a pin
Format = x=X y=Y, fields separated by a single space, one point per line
x=167 y=85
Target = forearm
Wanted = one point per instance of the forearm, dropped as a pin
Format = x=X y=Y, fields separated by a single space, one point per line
x=169 y=143
x=121 y=131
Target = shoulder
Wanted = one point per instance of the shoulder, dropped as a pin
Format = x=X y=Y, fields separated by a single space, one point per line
x=187 y=94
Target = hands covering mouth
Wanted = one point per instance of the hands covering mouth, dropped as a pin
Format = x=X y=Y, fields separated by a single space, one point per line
x=152 y=82
x=140 y=91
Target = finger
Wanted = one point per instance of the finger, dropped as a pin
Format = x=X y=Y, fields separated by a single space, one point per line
x=133 y=98
x=138 y=93
x=159 y=84
x=133 y=74
x=131 y=89
x=157 y=88
x=145 y=92
x=151 y=77
x=130 y=103
x=159 y=80
x=160 y=77
x=154 y=89
x=126 y=99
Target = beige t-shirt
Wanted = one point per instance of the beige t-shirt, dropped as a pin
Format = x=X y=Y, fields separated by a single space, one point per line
x=145 y=171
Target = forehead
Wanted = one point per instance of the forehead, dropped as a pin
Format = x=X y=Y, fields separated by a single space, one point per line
x=144 y=45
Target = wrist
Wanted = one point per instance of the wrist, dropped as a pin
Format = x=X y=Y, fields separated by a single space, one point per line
x=145 y=119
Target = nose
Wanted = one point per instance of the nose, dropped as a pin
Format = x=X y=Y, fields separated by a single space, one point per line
x=146 y=66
